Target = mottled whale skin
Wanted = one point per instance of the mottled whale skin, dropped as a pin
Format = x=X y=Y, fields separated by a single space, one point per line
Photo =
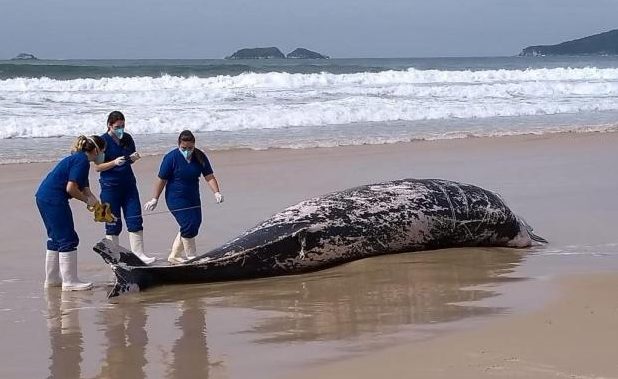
x=386 y=218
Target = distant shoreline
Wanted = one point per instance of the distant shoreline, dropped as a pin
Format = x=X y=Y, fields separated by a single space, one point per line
x=395 y=145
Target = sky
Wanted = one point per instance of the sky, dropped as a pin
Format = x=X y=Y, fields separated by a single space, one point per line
x=74 y=29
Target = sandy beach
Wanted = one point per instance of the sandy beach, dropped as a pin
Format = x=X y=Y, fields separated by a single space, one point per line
x=534 y=313
x=572 y=337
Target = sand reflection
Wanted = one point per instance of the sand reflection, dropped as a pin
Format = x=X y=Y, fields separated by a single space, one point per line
x=372 y=295
x=125 y=341
x=375 y=295
x=163 y=331
x=65 y=334
x=190 y=353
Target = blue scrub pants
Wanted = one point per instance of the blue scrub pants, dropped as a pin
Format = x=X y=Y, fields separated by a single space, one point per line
x=125 y=197
x=58 y=220
x=189 y=220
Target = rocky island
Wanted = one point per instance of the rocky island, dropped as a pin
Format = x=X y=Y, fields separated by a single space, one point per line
x=24 y=57
x=598 y=44
x=273 y=52
x=257 y=53
x=301 y=53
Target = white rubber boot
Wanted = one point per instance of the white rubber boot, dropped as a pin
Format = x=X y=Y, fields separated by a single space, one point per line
x=68 y=271
x=189 y=245
x=52 y=270
x=136 y=240
x=177 y=248
x=114 y=239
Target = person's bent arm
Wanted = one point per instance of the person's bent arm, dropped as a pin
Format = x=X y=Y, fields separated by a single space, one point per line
x=73 y=190
x=109 y=165
x=104 y=166
x=92 y=198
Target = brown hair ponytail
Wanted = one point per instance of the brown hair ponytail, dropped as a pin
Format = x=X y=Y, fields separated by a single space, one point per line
x=87 y=144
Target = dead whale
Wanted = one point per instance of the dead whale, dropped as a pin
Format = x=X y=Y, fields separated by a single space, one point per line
x=386 y=218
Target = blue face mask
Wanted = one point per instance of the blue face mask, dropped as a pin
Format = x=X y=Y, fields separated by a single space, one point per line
x=99 y=158
x=119 y=132
x=186 y=153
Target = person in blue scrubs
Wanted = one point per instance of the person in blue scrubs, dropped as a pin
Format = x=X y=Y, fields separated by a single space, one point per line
x=67 y=180
x=119 y=187
x=179 y=174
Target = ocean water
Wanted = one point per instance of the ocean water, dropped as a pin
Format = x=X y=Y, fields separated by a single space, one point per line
x=301 y=103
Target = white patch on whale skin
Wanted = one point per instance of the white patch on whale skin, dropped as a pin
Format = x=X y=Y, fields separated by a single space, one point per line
x=204 y=260
x=522 y=239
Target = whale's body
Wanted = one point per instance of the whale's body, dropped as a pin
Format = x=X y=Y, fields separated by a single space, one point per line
x=386 y=218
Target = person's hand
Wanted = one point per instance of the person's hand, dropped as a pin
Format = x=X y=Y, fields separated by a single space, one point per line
x=91 y=201
x=120 y=161
x=218 y=197
x=151 y=205
x=135 y=156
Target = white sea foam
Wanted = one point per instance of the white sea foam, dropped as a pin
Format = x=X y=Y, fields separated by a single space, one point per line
x=43 y=107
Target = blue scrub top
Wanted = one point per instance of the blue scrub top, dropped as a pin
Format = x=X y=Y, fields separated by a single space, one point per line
x=183 y=186
x=74 y=168
x=115 y=148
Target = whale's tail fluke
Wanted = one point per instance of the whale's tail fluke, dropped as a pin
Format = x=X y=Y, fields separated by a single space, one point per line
x=125 y=283
x=116 y=255
x=126 y=267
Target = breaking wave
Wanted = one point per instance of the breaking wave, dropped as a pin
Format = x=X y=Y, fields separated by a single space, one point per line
x=45 y=107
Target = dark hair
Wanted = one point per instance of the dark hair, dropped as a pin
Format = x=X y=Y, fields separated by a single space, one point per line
x=88 y=144
x=114 y=116
x=187 y=136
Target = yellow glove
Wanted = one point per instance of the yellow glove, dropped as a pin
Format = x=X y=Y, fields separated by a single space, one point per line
x=102 y=212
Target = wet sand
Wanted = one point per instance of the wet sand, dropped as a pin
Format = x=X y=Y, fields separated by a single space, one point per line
x=573 y=337
x=564 y=185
